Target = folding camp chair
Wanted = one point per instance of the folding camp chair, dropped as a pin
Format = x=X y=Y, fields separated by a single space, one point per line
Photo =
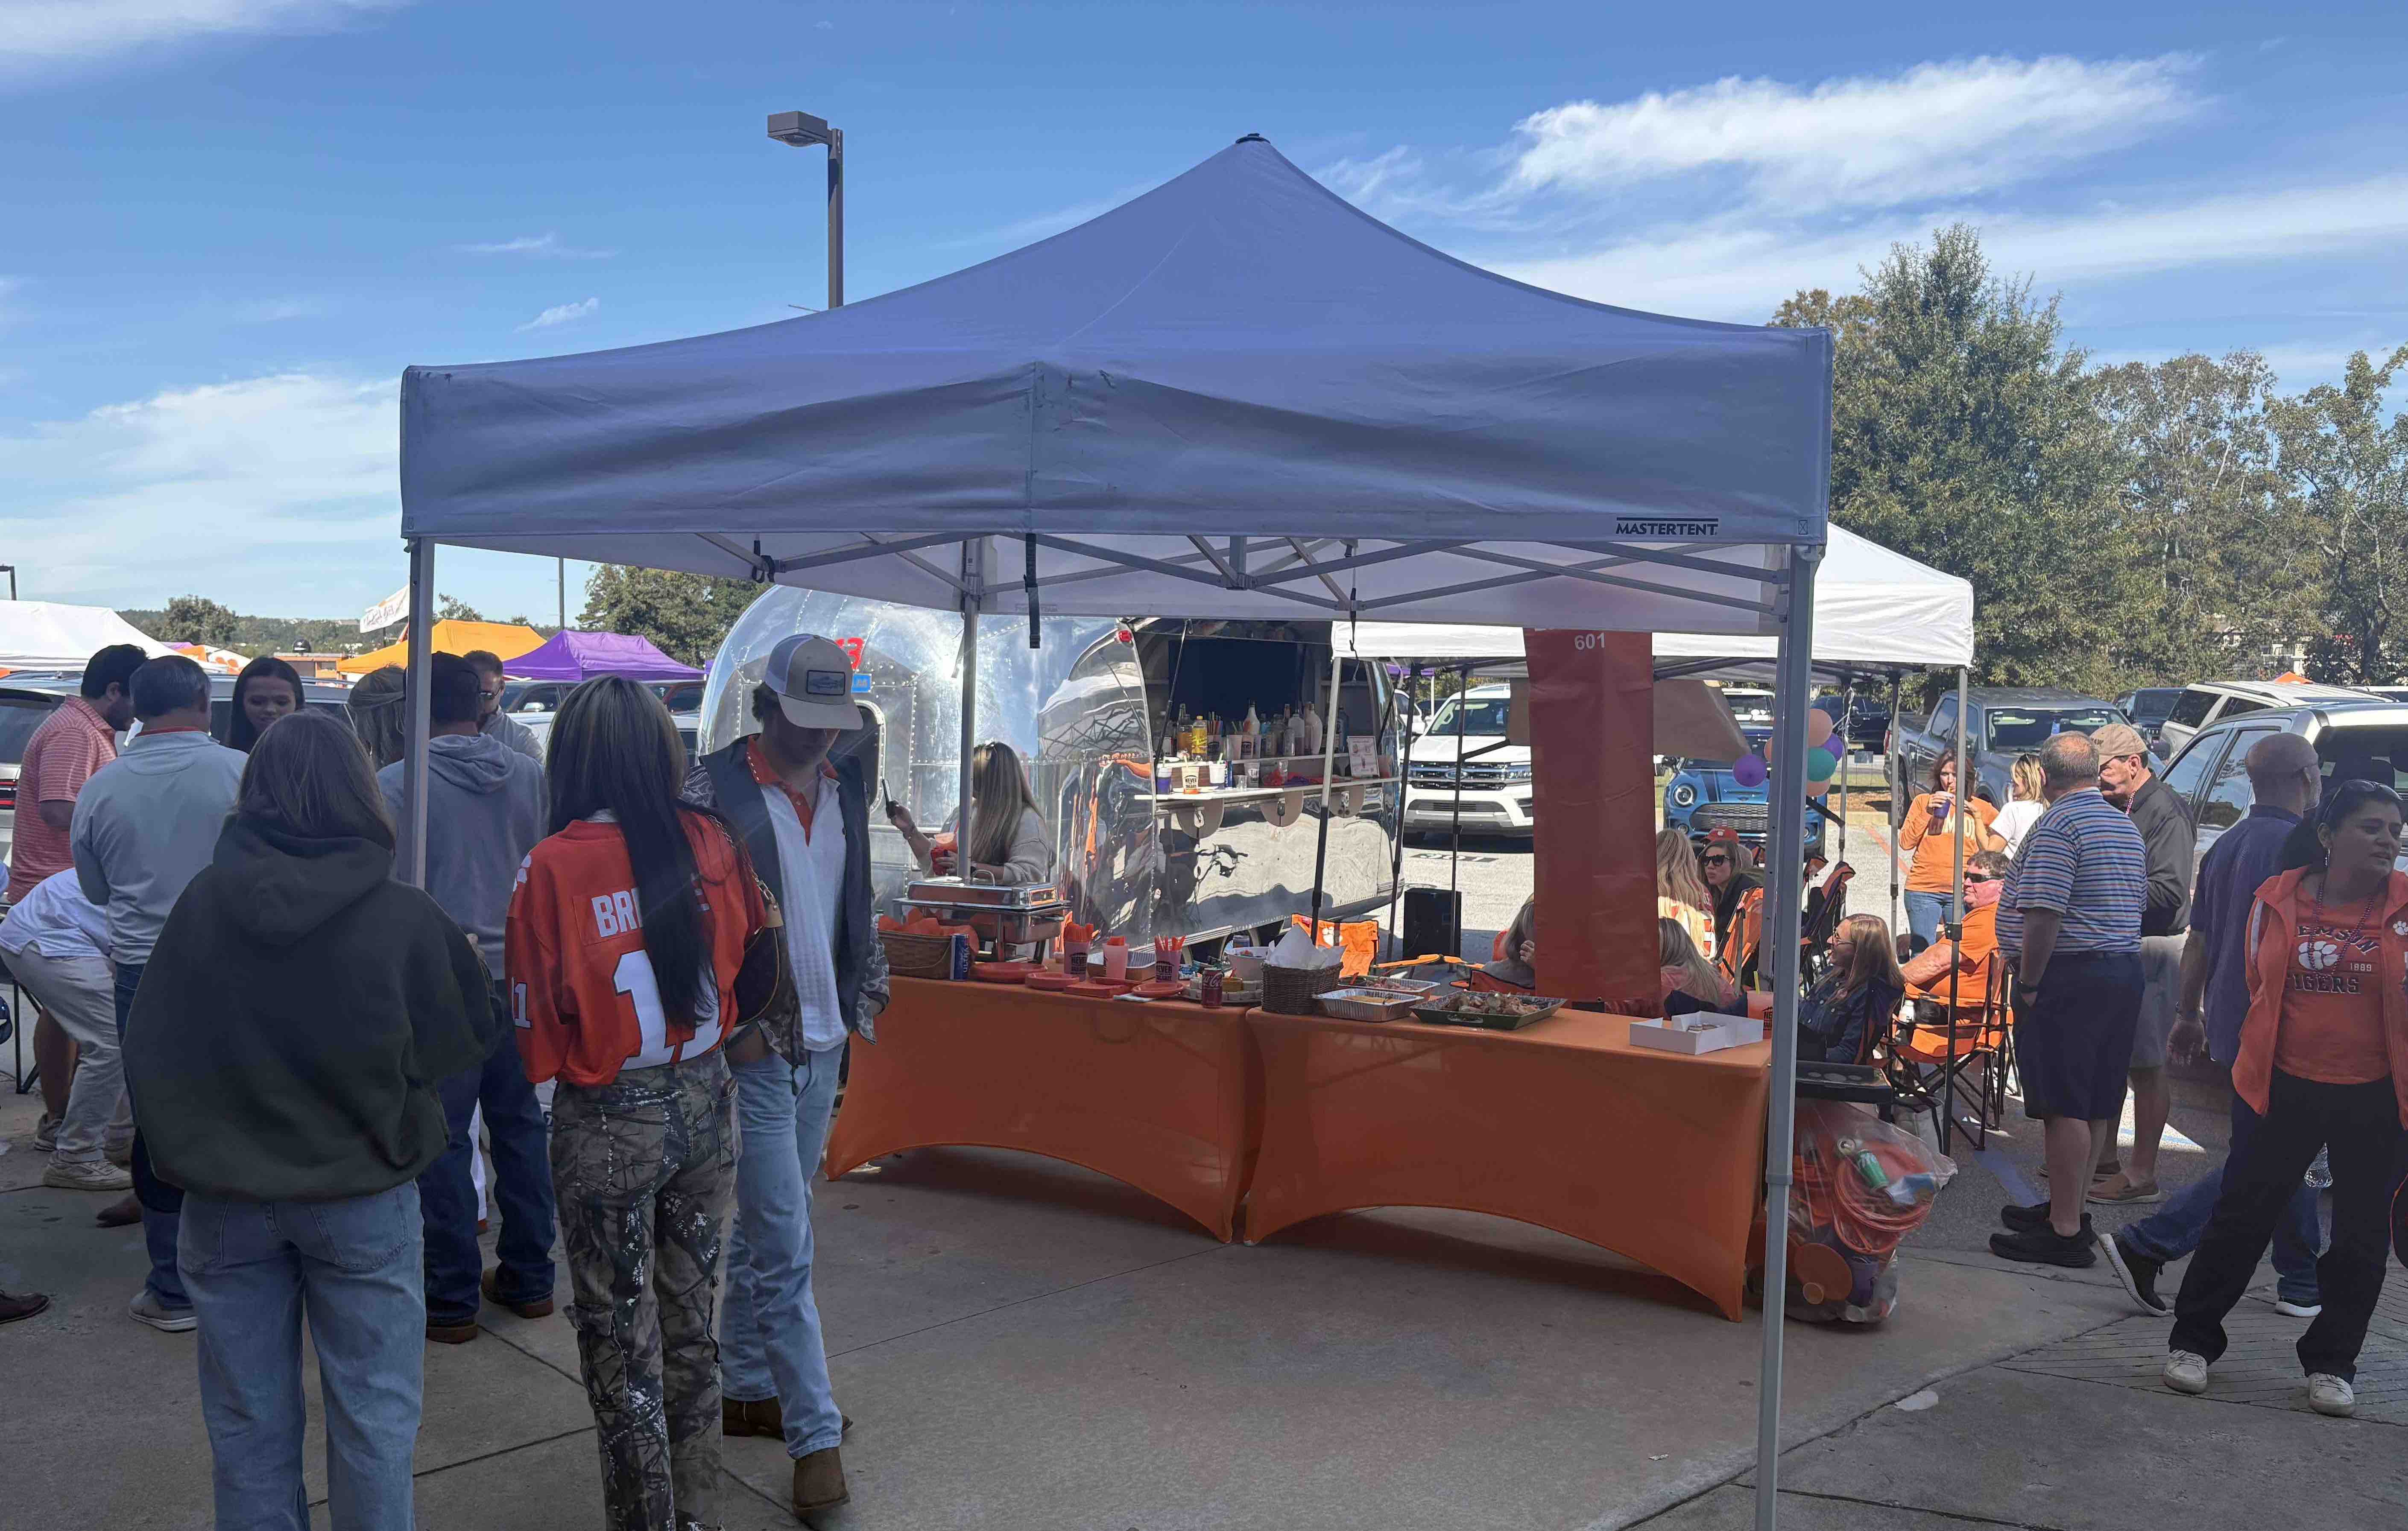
x=1826 y=906
x=1942 y=1054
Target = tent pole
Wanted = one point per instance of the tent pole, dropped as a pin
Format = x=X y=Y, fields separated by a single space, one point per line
x=416 y=703
x=1328 y=757
x=1847 y=715
x=1404 y=787
x=1897 y=792
x=1795 y=684
x=972 y=562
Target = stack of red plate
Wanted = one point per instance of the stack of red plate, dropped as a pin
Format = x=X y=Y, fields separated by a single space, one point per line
x=1047 y=979
x=1098 y=989
x=1001 y=972
x=1160 y=989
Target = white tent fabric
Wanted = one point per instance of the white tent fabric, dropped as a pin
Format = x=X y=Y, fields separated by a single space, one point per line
x=1238 y=355
x=51 y=636
x=1873 y=610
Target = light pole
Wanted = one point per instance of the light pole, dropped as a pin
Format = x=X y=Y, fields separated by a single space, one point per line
x=801 y=130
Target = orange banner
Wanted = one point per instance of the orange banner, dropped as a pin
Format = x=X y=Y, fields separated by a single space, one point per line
x=1593 y=787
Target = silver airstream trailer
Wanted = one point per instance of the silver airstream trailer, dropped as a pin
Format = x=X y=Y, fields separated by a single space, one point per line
x=1089 y=709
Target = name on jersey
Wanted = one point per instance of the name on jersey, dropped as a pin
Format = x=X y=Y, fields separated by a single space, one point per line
x=614 y=914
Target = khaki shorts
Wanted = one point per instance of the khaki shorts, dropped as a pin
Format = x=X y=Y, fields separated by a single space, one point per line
x=2160 y=997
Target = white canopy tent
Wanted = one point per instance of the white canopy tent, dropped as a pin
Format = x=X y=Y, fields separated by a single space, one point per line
x=51 y=636
x=1235 y=396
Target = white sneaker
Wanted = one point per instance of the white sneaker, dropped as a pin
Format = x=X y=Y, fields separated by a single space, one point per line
x=149 y=1309
x=87 y=1175
x=2297 y=1309
x=2187 y=1371
x=2329 y=1395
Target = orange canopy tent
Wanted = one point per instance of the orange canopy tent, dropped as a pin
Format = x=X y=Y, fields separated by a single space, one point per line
x=502 y=640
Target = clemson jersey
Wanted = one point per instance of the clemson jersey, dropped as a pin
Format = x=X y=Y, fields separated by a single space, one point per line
x=582 y=989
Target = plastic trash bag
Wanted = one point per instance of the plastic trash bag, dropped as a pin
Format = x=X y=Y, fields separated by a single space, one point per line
x=1862 y=1185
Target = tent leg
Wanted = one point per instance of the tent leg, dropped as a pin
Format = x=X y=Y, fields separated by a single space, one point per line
x=1896 y=795
x=421 y=658
x=1404 y=788
x=1328 y=758
x=1847 y=716
x=970 y=591
x=1795 y=668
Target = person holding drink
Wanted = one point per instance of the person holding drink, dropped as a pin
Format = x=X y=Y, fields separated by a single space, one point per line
x=1929 y=833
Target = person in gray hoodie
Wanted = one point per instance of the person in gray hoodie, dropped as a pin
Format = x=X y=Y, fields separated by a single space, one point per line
x=484 y=812
x=144 y=826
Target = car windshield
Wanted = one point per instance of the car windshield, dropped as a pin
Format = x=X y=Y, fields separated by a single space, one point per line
x=2150 y=707
x=2365 y=755
x=1758 y=737
x=1481 y=715
x=1752 y=708
x=2028 y=728
x=19 y=717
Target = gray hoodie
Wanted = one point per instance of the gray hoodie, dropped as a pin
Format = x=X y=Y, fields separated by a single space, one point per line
x=145 y=825
x=484 y=812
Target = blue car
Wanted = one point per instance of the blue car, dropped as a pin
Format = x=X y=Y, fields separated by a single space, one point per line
x=1703 y=796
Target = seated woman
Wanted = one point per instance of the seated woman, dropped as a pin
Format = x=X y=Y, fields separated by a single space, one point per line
x=1009 y=841
x=1850 y=1010
x=1516 y=953
x=1690 y=981
x=1681 y=893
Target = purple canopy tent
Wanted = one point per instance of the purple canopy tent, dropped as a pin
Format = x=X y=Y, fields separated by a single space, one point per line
x=581 y=656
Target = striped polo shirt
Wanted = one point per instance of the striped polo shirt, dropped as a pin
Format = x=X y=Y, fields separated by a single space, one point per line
x=2085 y=860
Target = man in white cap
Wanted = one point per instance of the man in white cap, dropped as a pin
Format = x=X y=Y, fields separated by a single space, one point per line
x=806 y=820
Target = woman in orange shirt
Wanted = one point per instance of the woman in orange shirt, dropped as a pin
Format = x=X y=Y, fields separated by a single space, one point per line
x=1930 y=832
x=2324 y=1063
x=626 y=937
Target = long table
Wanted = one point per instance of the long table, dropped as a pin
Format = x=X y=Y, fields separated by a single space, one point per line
x=1154 y=1095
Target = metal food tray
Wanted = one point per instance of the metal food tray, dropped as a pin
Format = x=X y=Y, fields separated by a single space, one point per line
x=1364 y=1004
x=953 y=889
x=1446 y=1015
x=1015 y=926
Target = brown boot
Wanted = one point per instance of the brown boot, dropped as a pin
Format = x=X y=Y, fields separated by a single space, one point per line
x=818 y=1483
x=755 y=1417
x=491 y=1285
x=123 y=1213
x=450 y=1334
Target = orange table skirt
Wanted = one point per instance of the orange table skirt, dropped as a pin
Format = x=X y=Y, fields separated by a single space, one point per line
x=1153 y=1095
x=1653 y=1155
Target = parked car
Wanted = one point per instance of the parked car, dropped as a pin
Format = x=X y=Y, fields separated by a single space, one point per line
x=25 y=701
x=1703 y=795
x=2208 y=702
x=519 y=696
x=1867 y=721
x=2005 y=722
x=1496 y=796
x=2359 y=737
x=2148 y=707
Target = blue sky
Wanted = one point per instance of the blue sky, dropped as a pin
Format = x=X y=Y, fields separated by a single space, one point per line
x=230 y=223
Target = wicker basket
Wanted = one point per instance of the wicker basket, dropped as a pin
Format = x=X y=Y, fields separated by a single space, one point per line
x=1290 y=991
x=918 y=956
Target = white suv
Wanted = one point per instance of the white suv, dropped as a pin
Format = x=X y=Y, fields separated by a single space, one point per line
x=2213 y=701
x=1495 y=785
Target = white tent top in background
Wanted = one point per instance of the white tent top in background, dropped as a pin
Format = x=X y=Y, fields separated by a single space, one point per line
x=50 y=635
x=1193 y=404
x=1875 y=610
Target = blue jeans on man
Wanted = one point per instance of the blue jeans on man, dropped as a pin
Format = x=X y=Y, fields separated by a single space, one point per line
x=254 y=1269
x=2173 y=1230
x=770 y=1344
x=521 y=1152
x=161 y=1203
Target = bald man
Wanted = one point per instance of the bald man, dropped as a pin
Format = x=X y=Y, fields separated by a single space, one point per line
x=2285 y=780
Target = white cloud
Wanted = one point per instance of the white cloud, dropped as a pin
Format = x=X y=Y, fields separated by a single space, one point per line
x=562 y=313
x=1739 y=268
x=1936 y=130
x=49 y=30
x=260 y=492
x=542 y=246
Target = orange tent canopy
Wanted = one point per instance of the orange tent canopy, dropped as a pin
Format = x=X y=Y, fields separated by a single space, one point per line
x=503 y=639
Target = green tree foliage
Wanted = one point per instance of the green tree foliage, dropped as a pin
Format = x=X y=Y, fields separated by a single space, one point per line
x=1967 y=436
x=686 y=615
x=196 y=619
x=2347 y=473
x=452 y=608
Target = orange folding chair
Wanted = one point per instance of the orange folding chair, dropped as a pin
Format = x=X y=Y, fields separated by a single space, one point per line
x=1946 y=1057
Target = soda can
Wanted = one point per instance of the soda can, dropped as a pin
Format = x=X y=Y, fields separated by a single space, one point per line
x=961 y=956
x=1209 y=984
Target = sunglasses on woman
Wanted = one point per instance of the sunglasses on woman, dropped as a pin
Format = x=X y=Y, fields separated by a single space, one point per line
x=1714 y=860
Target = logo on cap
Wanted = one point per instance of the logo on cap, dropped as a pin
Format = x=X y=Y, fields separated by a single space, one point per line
x=827 y=684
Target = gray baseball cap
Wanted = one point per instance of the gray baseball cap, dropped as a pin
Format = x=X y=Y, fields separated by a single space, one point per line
x=813 y=679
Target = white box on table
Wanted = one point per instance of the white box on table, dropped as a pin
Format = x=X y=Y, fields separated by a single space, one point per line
x=1703 y=1032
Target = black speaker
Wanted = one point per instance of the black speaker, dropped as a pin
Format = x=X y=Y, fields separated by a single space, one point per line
x=1433 y=922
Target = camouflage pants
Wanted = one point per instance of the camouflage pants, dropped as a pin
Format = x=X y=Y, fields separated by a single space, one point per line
x=643 y=1167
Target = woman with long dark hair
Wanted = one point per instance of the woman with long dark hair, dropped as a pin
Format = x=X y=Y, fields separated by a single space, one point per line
x=268 y=689
x=626 y=939
x=283 y=1063
x=1929 y=832
x=2324 y=1063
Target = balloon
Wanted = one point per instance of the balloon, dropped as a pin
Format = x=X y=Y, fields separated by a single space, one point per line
x=1749 y=770
x=1818 y=727
x=1819 y=789
x=1821 y=765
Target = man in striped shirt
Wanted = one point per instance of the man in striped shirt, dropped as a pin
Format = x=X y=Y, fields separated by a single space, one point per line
x=2070 y=922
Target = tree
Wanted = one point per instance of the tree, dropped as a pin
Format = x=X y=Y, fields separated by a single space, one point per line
x=2201 y=496
x=1966 y=435
x=2347 y=473
x=451 y=608
x=196 y=619
x=687 y=615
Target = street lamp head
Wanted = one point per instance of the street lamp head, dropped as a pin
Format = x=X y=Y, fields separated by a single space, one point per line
x=800 y=129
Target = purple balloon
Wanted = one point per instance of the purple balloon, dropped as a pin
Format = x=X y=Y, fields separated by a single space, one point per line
x=1749 y=770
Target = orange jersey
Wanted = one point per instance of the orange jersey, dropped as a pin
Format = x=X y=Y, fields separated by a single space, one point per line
x=582 y=989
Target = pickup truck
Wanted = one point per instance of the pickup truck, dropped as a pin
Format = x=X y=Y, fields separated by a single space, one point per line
x=2005 y=721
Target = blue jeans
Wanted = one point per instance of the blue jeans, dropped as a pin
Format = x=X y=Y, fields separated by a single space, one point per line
x=254 y=1269
x=522 y=1190
x=161 y=1203
x=770 y=1344
x=1926 y=911
x=2174 y=1229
